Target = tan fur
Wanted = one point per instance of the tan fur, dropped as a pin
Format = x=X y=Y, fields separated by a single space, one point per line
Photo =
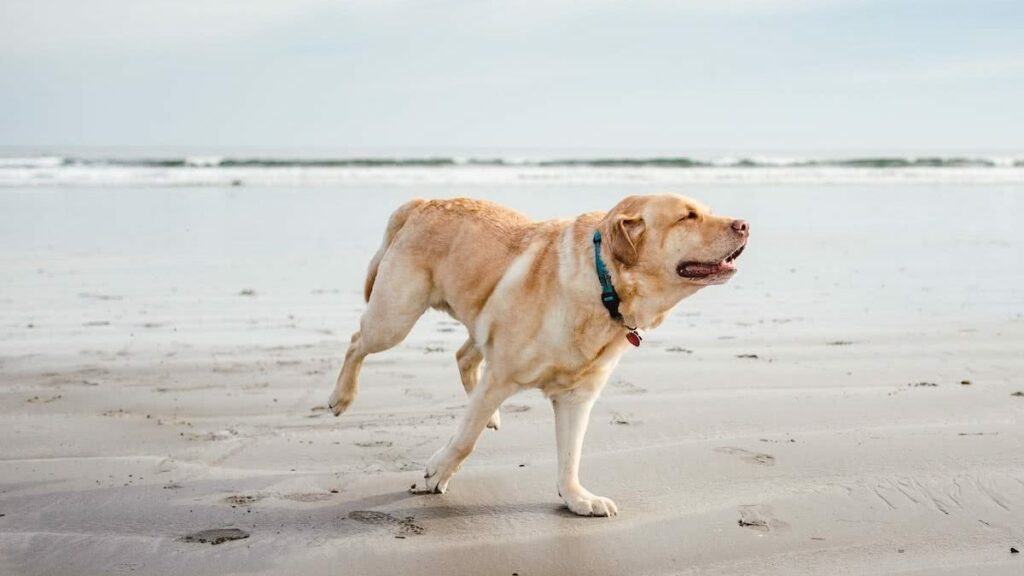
x=395 y=224
x=529 y=297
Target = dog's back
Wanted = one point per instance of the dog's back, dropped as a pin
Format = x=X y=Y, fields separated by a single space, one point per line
x=462 y=246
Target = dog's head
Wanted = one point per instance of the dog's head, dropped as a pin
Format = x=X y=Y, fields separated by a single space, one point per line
x=675 y=239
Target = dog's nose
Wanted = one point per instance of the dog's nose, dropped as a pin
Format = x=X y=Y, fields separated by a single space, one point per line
x=741 y=227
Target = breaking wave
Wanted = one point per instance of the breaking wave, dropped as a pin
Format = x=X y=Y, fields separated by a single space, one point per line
x=625 y=162
x=228 y=170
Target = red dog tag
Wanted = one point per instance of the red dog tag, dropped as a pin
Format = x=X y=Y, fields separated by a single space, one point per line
x=633 y=337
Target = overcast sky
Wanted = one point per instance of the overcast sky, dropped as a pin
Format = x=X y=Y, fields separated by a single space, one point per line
x=390 y=74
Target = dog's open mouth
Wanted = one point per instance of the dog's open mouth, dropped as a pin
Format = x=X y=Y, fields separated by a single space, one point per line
x=702 y=270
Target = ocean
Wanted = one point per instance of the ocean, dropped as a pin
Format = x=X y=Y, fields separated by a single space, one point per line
x=121 y=167
x=914 y=237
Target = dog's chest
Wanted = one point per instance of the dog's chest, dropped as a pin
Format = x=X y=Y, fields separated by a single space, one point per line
x=559 y=362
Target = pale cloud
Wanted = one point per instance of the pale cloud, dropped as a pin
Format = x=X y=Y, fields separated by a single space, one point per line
x=989 y=67
x=28 y=26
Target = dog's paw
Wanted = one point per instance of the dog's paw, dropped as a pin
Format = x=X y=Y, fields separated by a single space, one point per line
x=339 y=403
x=428 y=485
x=586 y=504
x=495 y=422
x=435 y=477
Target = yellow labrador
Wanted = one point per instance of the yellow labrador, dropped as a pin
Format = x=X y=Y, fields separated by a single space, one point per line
x=549 y=305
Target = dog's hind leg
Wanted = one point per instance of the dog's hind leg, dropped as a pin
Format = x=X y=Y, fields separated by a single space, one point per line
x=400 y=296
x=469 y=358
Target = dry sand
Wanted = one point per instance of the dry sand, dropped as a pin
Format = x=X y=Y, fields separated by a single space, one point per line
x=844 y=406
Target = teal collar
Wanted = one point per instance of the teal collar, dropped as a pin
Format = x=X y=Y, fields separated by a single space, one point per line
x=609 y=297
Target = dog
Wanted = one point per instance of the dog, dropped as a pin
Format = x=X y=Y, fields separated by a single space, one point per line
x=550 y=305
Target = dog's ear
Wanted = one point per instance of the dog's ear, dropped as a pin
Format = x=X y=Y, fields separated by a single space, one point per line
x=625 y=234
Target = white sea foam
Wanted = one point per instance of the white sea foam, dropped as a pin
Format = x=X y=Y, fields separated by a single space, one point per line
x=31 y=162
x=204 y=161
x=57 y=174
x=211 y=170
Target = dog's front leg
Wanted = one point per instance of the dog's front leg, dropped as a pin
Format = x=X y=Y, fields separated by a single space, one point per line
x=572 y=414
x=484 y=400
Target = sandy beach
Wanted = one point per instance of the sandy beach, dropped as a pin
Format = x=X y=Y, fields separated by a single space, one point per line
x=850 y=403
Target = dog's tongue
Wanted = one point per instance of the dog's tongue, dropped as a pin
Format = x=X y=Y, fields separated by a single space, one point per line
x=697 y=269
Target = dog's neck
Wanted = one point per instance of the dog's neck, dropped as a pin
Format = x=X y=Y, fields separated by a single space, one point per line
x=646 y=309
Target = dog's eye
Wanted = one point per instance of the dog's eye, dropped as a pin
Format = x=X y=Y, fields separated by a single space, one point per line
x=689 y=216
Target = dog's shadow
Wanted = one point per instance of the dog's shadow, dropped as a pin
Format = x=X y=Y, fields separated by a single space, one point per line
x=436 y=507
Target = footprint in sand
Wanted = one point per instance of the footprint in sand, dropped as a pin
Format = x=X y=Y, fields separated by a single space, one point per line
x=42 y=400
x=620 y=420
x=243 y=499
x=307 y=497
x=375 y=444
x=748 y=456
x=759 y=517
x=402 y=375
x=216 y=536
x=418 y=393
x=628 y=387
x=217 y=436
x=402 y=526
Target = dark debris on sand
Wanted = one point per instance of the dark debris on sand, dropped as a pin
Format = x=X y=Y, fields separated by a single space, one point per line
x=756 y=523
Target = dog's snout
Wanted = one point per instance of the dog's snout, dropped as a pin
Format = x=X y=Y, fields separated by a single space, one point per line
x=741 y=227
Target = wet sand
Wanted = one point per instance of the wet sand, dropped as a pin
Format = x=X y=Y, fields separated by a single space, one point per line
x=845 y=405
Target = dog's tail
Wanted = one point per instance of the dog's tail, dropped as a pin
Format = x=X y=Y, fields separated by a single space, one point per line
x=395 y=223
